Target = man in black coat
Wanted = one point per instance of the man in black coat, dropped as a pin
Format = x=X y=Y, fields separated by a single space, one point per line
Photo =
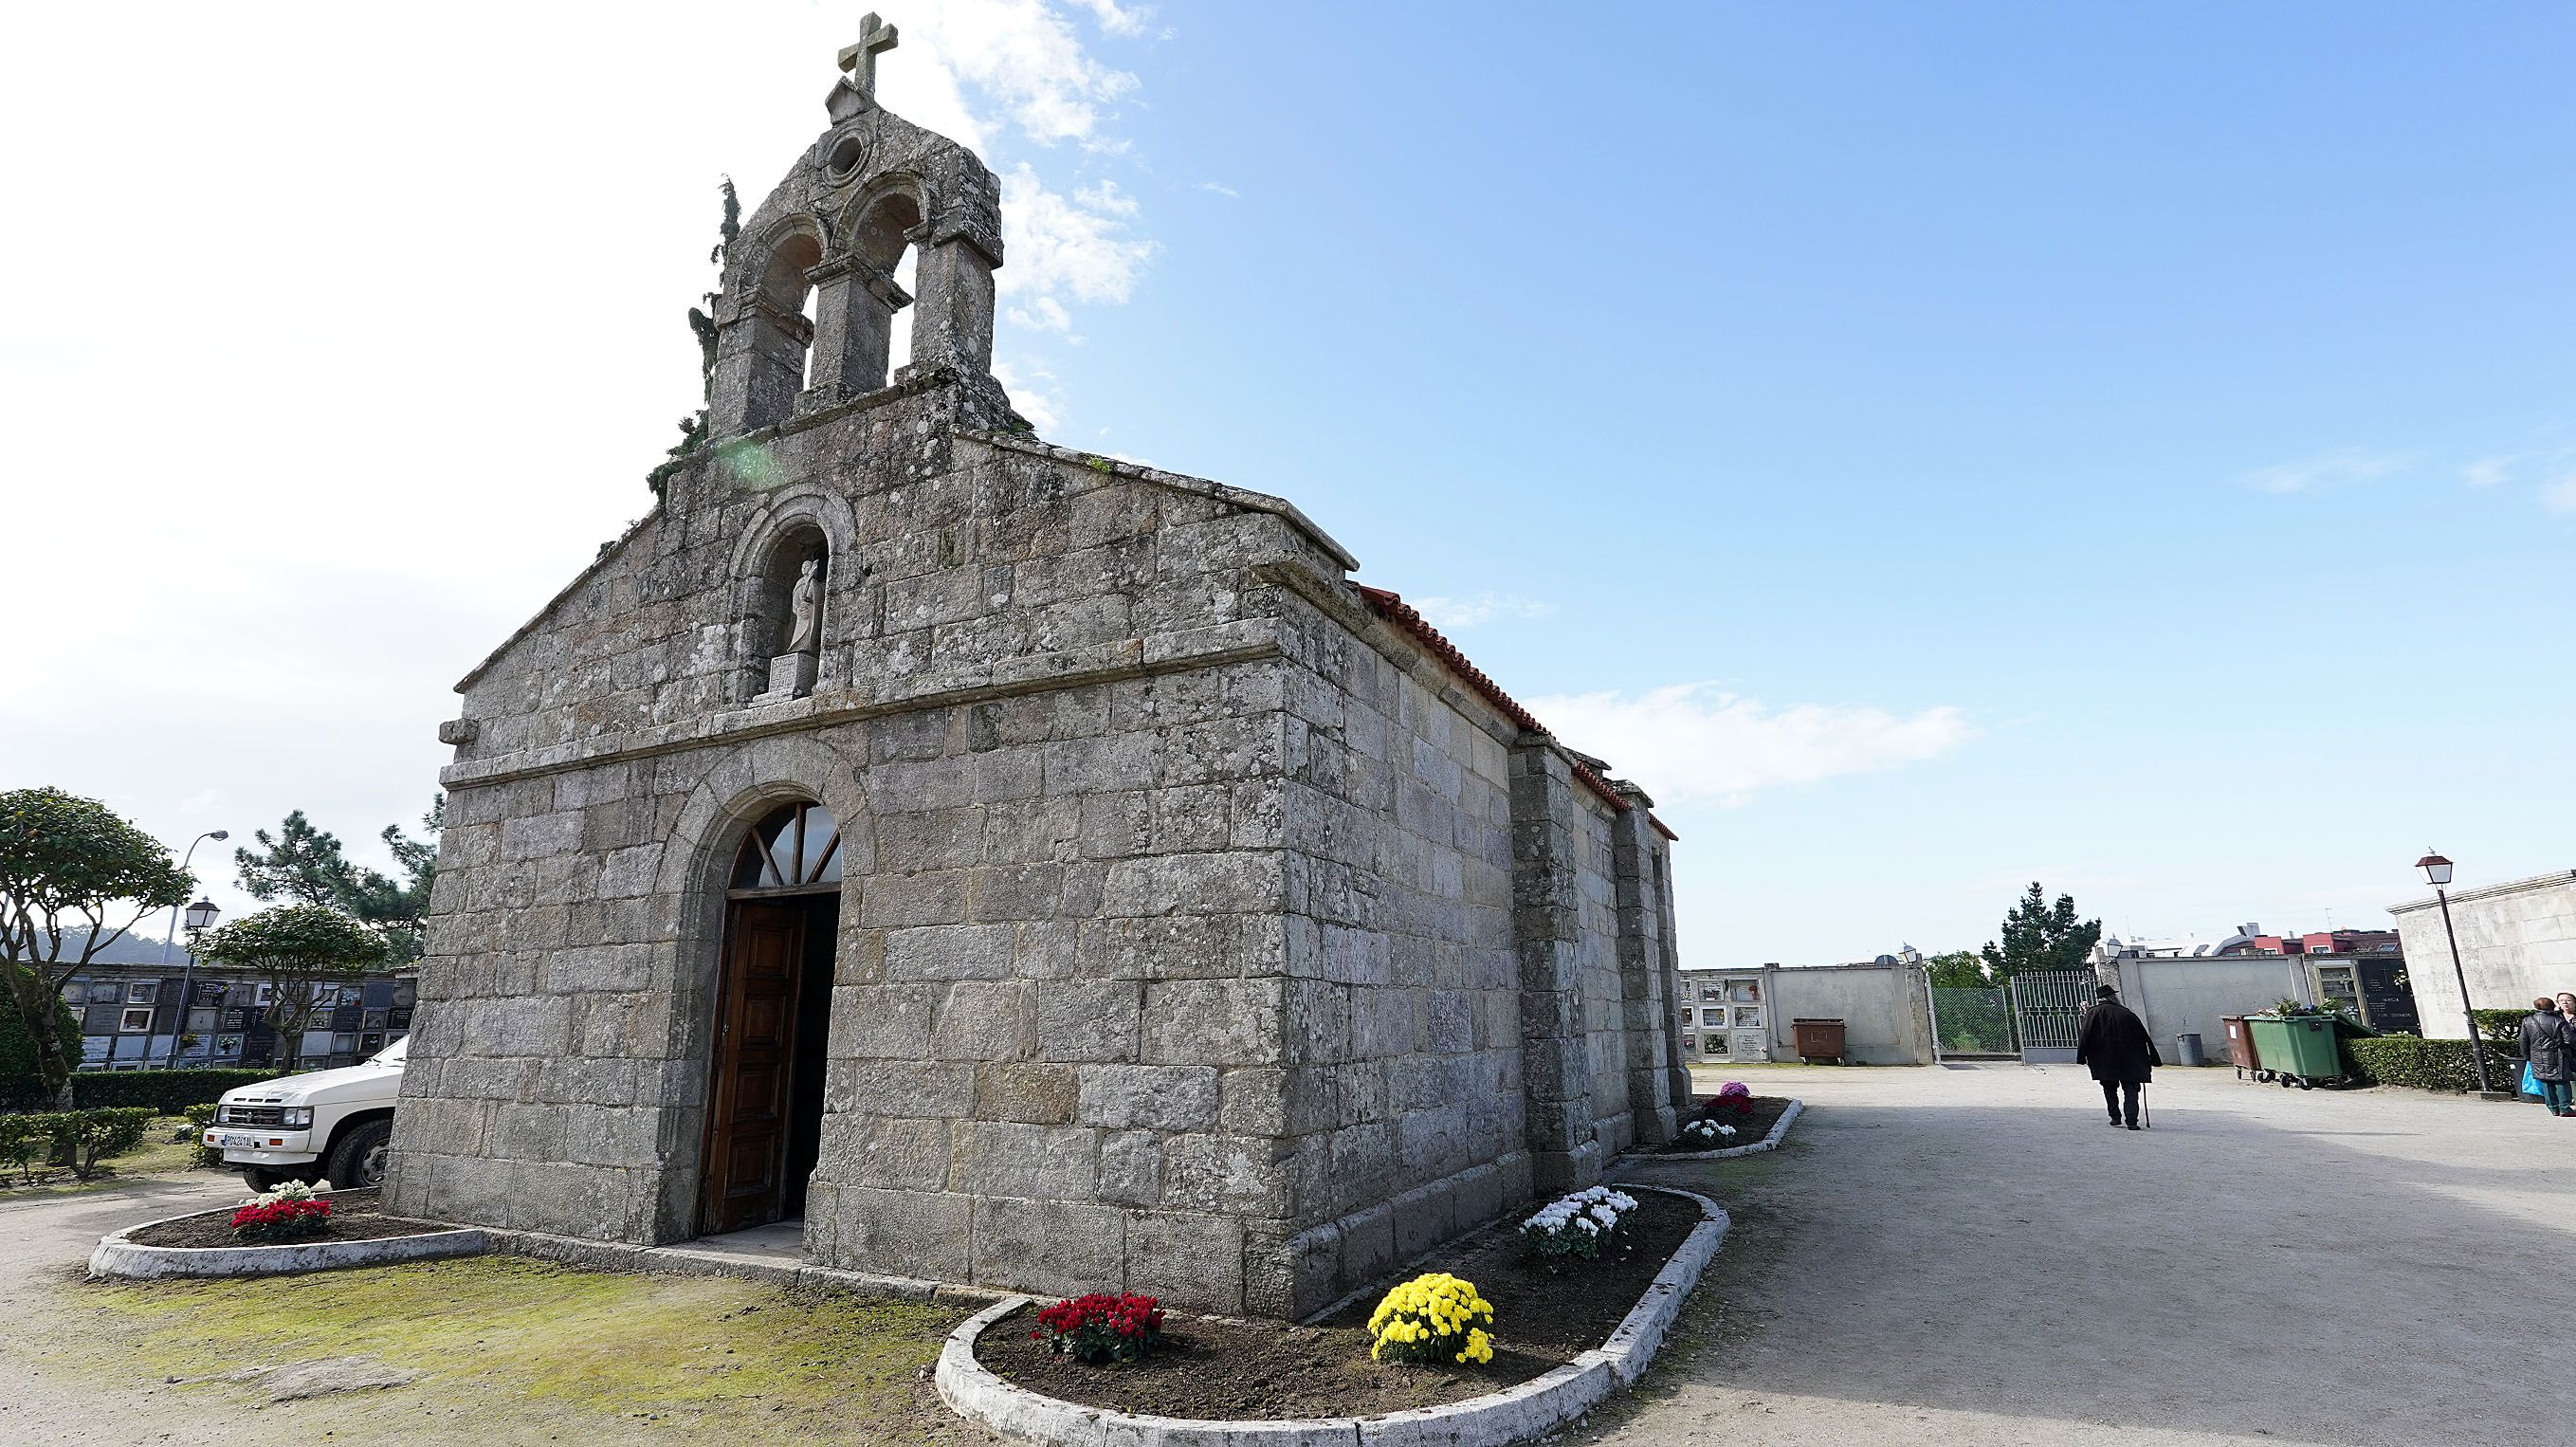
x=2114 y=1041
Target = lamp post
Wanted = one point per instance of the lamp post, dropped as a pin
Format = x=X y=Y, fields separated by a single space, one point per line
x=179 y=1026
x=200 y=915
x=2438 y=871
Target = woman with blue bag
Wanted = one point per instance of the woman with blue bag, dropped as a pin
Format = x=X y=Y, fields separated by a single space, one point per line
x=2549 y=1055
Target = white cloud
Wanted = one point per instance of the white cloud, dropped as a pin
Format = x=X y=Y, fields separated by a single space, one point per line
x=2488 y=471
x=1043 y=314
x=2326 y=470
x=2560 y=496
x=1220 y=189
x=1107 y=199
x=1453 y=614
x=1024 y=55
x=1062 y=245
x=1119 y=19
x=1693 y=742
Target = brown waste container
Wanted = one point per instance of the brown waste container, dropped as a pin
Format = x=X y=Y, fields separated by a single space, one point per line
x=1818 y=1041
x=2240 y=1044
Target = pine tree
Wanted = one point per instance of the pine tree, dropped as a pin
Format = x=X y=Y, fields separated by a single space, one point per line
x=2041 y=936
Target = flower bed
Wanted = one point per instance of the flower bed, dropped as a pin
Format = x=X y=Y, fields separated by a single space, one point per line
x=1752 y=1120
x=1545 y=1312
x=352 y=1217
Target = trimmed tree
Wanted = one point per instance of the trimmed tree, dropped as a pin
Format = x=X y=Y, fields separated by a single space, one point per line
x=296 y=950
x=2042 y=936
x=74 y=877
x=308 y=866
x=22 y=1085
x=1957 y=970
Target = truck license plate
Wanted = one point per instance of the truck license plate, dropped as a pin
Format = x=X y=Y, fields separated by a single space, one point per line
x=231 y=1138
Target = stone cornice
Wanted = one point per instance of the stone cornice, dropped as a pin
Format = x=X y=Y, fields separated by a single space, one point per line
x=2489 y=891
x=1238 y=642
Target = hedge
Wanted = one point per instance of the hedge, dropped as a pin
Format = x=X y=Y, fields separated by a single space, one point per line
x=2503 y=1027
x=31 y=1146
x=2431 y=1064
x=168 y=1092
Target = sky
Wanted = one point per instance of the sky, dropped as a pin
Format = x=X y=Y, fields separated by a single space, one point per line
x=1930 y=449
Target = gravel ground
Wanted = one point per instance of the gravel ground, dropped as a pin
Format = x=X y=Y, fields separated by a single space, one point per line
x=43 y=1240
x=1952 y=1256
x=1970 y=1255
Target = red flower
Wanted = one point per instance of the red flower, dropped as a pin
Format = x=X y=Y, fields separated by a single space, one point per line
x=1097 y=1327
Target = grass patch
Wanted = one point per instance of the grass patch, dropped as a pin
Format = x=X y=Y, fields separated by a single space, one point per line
x=512 y=1344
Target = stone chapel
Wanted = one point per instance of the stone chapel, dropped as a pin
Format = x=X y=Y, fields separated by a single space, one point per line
x=1024 y=868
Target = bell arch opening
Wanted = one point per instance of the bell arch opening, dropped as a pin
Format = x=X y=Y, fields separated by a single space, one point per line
x=886 y=264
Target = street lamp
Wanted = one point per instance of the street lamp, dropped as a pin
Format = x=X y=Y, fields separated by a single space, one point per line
x=2437 y=871
x=200 y=916
x=179 y=1026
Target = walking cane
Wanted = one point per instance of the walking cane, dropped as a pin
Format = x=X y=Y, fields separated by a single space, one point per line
x=2145 y=1109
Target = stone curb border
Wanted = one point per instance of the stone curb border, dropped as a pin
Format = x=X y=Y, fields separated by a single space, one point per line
x=1526 y=1410
x=119 y=1255
x=1771 y=1142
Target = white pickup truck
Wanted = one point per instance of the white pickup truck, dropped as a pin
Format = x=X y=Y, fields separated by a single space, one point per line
x=332 y=1125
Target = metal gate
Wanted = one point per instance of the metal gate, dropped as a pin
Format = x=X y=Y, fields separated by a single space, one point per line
x=1972 y=1022
x=2048 y=1009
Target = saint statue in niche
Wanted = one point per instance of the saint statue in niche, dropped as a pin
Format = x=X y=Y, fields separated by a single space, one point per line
x=804 y=633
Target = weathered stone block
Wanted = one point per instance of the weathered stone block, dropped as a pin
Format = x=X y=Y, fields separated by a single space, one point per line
x=1213 y=1022
x=948 y=952
x=1153 y=1097
x=979 y=1020
x=884 y=1151
x=1083 y=1020
x=912 y=1233
x=1053 y=1246
x=1003 y=1158
x=1131 y=1167
x=1224 y=1174
x=1032 y=1093
x=924 y=1088
x=882 y=1022
x=1191 y=1261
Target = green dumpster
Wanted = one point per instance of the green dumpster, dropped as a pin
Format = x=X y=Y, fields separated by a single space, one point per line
x=2299 y=1050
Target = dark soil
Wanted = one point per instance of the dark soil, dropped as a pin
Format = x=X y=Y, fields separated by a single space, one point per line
x=1217 y=1367
x=1751 y=1123
x=352 y=1219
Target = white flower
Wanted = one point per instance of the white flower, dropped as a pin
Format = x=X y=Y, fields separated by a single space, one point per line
x=1726 y=1130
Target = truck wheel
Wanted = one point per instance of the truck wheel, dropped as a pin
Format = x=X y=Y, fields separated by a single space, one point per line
x=262 y=1179
x=358 y=1161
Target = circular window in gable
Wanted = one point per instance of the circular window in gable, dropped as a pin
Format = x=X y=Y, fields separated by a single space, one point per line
x=848 y=156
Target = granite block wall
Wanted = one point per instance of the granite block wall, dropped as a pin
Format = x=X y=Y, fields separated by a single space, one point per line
x=1199 y=933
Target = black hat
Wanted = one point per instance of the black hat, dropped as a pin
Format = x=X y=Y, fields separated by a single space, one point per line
x=2103 y=992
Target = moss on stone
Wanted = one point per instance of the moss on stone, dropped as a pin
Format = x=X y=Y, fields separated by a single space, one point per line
x=511 y=1344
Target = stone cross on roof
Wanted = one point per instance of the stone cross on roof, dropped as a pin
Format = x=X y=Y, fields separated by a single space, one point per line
x=860 y=60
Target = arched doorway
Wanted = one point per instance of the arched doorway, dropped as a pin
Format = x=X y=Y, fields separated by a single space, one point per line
x=773 y=1016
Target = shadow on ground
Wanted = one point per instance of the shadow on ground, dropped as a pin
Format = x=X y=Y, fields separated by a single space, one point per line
x=1943 y=1256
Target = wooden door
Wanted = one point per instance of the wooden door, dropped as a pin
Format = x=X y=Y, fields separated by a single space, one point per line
x=747 y=1098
